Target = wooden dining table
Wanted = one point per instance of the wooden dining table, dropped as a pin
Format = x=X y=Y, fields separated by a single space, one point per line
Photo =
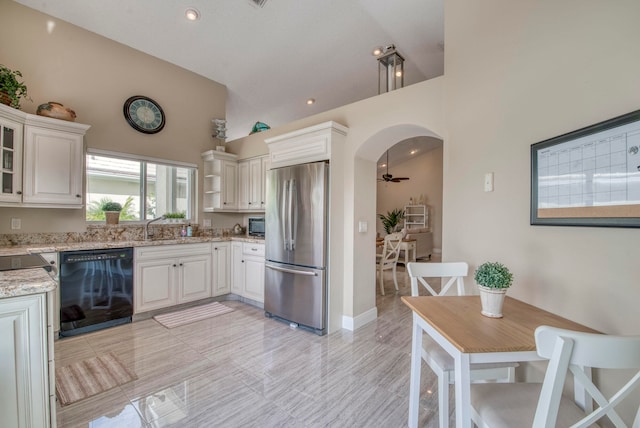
x=456 y=324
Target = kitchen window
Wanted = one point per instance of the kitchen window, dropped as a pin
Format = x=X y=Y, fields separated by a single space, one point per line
x=145 y=187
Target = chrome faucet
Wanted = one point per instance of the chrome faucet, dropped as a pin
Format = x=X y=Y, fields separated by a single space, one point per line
x=149 y=233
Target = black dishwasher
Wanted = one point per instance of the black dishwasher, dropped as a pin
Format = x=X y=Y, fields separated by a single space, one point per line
x=96 y=289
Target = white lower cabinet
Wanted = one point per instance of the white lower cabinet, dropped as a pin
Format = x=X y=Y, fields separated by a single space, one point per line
x=248 y=270
x=237 y=268
x=25 y=392
x=221 y=262
x=171 y=274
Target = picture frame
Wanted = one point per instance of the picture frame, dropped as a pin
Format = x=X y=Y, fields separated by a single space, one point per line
x=588 y=177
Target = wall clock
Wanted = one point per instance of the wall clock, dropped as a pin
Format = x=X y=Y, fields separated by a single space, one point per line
x=144 y=114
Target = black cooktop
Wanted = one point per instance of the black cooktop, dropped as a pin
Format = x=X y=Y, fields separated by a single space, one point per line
x=26 y=261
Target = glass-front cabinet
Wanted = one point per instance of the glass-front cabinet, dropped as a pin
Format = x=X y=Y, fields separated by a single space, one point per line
x=41 y=160
x=11 y=157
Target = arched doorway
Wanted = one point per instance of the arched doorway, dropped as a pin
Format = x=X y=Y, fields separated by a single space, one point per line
x=363 y=295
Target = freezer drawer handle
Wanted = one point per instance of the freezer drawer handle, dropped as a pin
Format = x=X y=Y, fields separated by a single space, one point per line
x=296 y=272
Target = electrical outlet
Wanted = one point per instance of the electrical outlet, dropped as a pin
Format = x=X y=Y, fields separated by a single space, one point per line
x=16 y=223
x=206 y=222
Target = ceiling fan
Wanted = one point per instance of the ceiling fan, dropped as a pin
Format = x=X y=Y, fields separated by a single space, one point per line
x=390 y=178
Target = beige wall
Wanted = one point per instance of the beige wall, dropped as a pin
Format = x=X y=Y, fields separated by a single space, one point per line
x=563 y=66
x=425 y=173
x=518 y=73
x=94 y=76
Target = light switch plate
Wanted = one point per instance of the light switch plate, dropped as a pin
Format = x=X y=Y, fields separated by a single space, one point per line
x=363 y=226
x=488 y=182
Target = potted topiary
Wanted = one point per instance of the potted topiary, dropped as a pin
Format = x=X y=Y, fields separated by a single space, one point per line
x=493 y=279
x=391 y=220
x=111 y=211
x=11 y=90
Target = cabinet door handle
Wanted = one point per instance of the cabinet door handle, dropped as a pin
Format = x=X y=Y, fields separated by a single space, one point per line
x=242 y=261
x=174 y=265
x=180 y=264
x=19 y=192
x=78 y=196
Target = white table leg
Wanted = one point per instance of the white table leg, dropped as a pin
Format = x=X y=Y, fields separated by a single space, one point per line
x=416 y=366
x=463 y=390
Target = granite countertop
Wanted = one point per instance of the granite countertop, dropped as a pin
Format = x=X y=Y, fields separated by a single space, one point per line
x=13 y=250
x=25 y=281
x=32 y=281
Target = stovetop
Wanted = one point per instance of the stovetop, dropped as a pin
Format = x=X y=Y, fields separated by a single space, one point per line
x=25 y=261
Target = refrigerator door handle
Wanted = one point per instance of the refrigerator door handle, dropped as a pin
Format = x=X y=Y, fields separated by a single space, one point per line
x=290 y=214
x=294 y=215
x=293 y=271
x=283 y=214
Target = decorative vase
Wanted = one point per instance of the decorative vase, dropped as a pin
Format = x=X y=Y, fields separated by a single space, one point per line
x=112 y=217
x=492 y=300
x=56 y=111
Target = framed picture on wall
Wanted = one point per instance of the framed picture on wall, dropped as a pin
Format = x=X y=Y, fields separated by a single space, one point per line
x=588 y=177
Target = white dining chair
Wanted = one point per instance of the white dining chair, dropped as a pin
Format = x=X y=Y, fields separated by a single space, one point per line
x=515 y=406
x=437 y=358
x=389 y=258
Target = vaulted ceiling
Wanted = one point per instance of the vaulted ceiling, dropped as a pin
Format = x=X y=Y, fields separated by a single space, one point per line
x=272 y=58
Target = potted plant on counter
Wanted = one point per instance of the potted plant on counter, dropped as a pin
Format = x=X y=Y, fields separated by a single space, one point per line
x=493 y=279
x=112 y=211
x=11 y=89
x=175 y=217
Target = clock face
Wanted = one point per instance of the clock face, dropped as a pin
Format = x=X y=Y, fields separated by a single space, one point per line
x=144 y=114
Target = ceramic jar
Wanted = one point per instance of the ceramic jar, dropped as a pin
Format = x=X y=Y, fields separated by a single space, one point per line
x=56 y=111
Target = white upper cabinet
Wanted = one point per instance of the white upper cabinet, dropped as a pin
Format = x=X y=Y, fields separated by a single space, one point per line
x=53 y=166
x=252 y=183
x=220 y=181
x=310 y=144
x=11 y=158
x=51 y=154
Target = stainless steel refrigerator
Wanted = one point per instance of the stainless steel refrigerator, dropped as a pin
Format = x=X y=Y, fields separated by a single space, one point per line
x=295 y=238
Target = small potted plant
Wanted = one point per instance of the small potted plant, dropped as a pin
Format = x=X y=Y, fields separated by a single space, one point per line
x=175 y=217
x=493 y=279
x=112 y=211
x=11 y=89
x=391 y=220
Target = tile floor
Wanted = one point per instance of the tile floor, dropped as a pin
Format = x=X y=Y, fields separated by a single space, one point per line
x=244 y=370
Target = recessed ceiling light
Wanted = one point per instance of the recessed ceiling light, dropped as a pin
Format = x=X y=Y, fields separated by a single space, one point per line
x=413 y=152
x=377 y=51
x=192 y=14
x=311 y=101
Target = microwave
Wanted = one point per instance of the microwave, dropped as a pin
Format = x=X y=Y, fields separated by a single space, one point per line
x=256 y=227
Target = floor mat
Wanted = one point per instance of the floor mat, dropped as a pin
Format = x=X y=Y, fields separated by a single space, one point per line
x=90 y=377
x=187 y=316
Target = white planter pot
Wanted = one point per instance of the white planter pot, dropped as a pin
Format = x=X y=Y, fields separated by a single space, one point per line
x=492 y=300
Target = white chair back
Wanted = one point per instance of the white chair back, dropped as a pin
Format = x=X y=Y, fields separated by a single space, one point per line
x=391 y=250
x=571 y=350
x=454 y=271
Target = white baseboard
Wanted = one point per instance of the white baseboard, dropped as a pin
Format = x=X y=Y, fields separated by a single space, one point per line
x=351 y=323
